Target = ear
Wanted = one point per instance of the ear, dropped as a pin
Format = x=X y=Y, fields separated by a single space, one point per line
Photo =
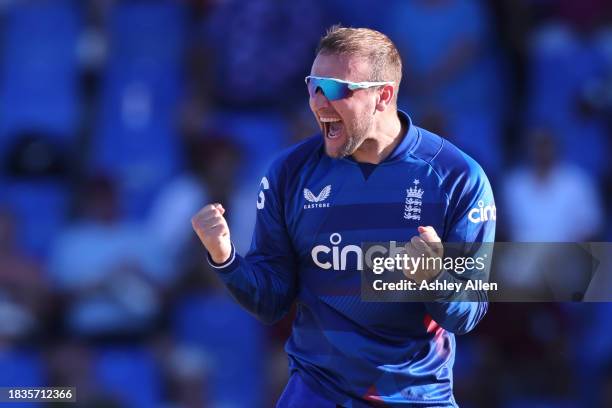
x=385 y=96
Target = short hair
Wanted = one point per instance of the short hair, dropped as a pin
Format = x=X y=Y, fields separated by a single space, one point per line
x=377 y=48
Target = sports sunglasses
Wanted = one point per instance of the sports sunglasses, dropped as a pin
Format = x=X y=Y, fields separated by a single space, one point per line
x=335 y=89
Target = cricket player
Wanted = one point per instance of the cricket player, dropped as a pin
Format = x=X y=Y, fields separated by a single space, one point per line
x=371 y=175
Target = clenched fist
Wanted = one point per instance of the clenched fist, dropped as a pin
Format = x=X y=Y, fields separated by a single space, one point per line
x=426 y=245
x=212 y=229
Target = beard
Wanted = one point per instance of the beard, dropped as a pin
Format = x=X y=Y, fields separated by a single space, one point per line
x=356 y=134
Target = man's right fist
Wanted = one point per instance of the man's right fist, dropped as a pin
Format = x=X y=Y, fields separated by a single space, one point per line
x=212 y=229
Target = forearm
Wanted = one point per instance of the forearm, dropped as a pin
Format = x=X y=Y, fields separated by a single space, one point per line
x=458 y=312
x=265 y=289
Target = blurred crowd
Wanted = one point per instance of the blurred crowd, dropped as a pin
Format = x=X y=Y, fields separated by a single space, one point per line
x=119 y=119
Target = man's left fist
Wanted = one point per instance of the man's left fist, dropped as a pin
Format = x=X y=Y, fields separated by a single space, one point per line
x=427 y=246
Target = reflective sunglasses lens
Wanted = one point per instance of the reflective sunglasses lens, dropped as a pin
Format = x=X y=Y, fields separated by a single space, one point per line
x=332 y=90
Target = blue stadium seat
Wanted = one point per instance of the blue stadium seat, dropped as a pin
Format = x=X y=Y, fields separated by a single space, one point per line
x=41 y=207
x=262 y=135
x=480 y=136
x=549 y=87
x=357 y=13
x=232 y=338
x=22 y=368
x=152 y=31
x=136 y=138
x=129 y=374
x=39 y=74
x=559 y=69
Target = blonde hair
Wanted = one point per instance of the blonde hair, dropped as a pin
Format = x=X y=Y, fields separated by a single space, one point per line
x=380 y=52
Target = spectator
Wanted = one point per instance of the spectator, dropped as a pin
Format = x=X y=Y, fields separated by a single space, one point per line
x=566 y=70
x=212 y=162
x=550 y=200
x=24 y=292
x=110 y=272
x=547 y=201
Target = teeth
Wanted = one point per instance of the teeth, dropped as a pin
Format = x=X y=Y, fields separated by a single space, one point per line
x=328 y=120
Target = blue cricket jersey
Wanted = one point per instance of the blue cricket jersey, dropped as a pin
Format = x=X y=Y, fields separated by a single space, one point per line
x=313 y=213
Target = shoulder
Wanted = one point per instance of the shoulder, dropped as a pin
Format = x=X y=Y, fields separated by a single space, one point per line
x=291 y=163
x=286 y=169
x=459 y=175
x=445 y=159
x=292 y=160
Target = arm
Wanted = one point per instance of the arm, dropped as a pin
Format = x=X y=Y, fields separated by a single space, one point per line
x=460 y=317
x=264 y=281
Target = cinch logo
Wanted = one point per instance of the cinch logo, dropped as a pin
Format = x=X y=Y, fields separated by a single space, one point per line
x=482 y=213
x=339 y=256
x=317 y=200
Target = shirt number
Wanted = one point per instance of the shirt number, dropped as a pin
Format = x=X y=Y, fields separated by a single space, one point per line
x=261 y=200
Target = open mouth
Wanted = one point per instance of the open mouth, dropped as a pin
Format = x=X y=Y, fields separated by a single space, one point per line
x=332 y=127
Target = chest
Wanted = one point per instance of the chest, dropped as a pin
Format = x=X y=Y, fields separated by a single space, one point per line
x=333 y=212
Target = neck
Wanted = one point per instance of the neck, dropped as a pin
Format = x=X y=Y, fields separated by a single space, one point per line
x=386 y=134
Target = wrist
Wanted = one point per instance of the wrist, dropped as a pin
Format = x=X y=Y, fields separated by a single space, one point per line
x=220 y=258
x=225 y=260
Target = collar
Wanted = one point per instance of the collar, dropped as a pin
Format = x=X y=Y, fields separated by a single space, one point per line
x=409 y=139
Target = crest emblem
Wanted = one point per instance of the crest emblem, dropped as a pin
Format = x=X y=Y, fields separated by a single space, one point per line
x=413 y=202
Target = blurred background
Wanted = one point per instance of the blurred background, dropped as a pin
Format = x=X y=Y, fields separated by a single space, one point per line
x=120 y=119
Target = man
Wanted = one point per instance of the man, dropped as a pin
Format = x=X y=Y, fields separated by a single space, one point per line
x=325 y=197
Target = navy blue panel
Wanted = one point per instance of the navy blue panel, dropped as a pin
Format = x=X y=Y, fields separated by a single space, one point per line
x=367 y=169
x=371 y=217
